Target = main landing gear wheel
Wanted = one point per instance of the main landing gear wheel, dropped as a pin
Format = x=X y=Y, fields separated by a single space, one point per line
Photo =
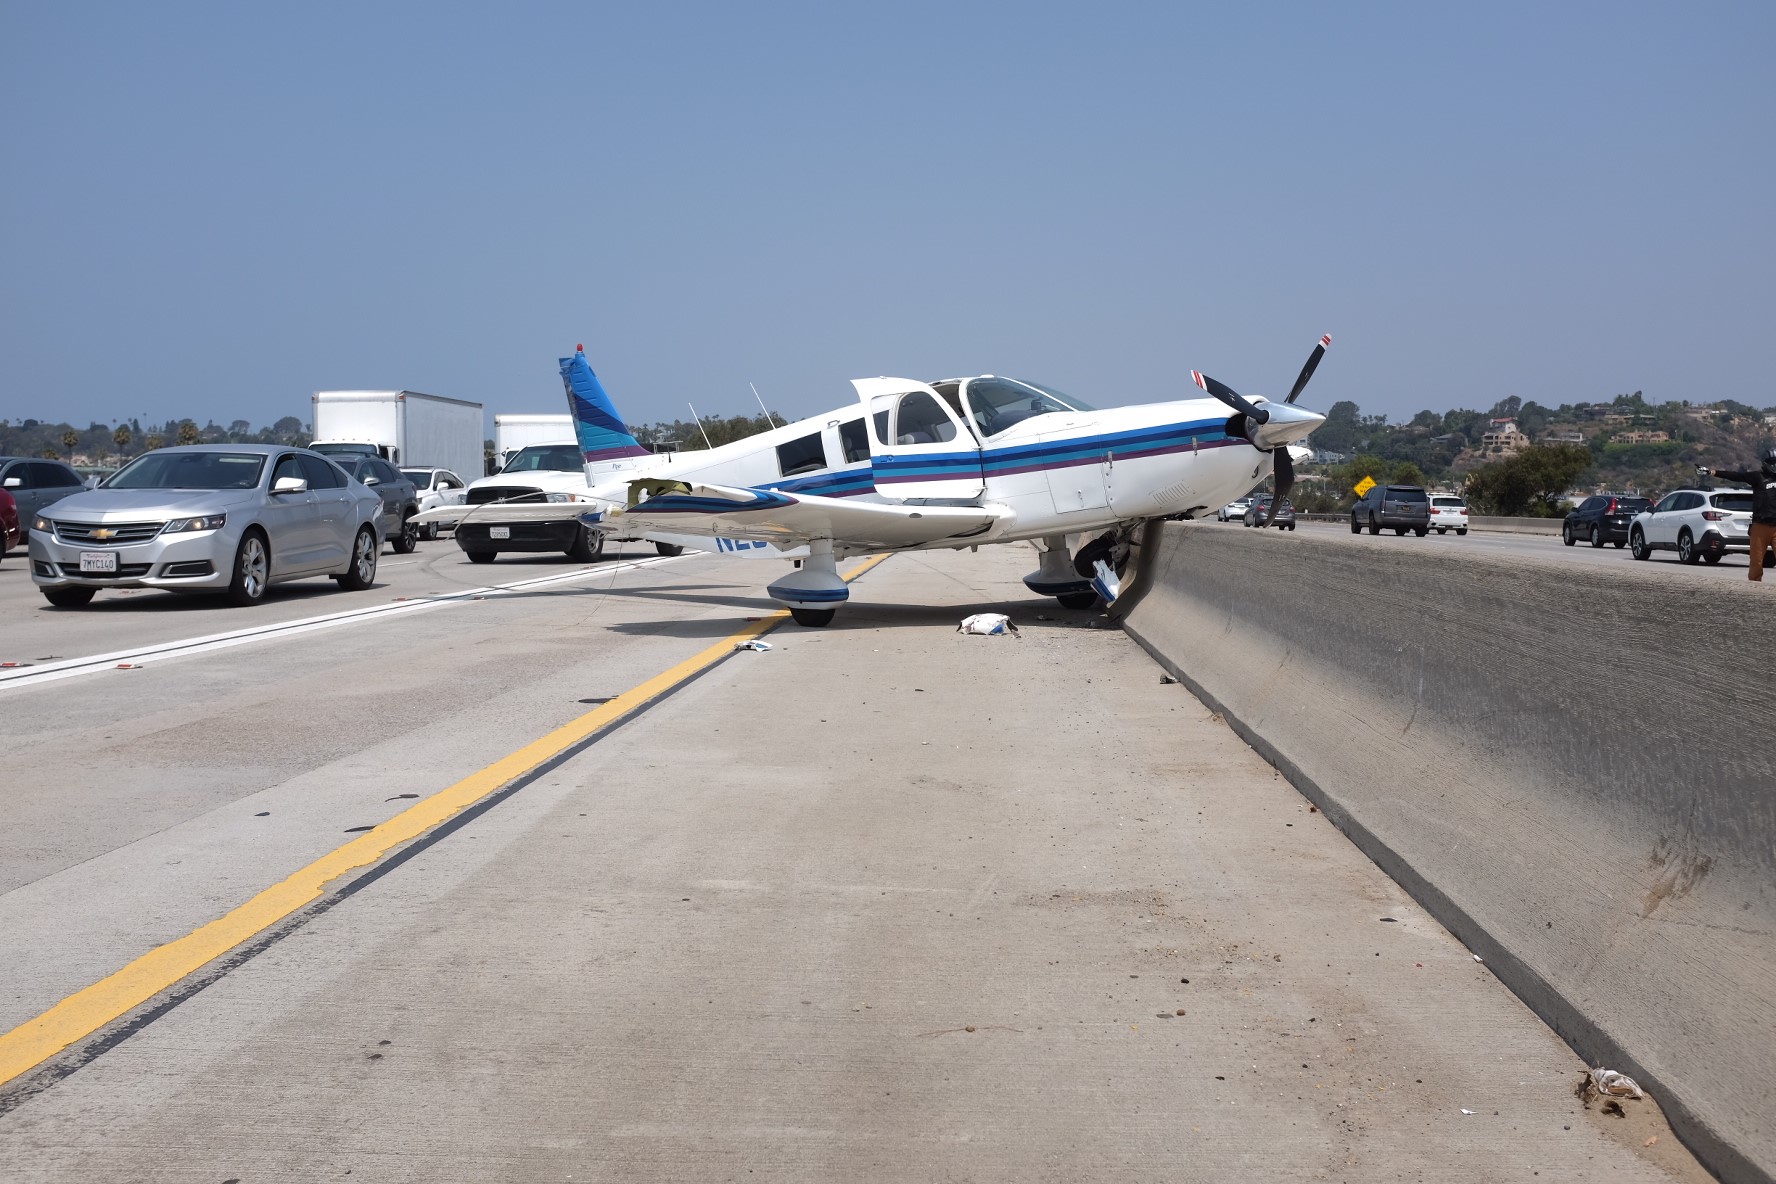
x=812 y=618
x=587 y=545
x=669 y=549
x=1078 y=599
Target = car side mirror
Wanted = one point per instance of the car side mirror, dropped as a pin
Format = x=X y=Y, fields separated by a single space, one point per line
x=373 y=480
x=12 y=483
x=289 y=485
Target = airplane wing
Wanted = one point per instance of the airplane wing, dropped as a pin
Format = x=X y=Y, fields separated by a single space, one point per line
x=791 y=519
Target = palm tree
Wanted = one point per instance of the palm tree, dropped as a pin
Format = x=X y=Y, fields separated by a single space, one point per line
x=153 y=442
x=70 y=439
x=121 y=437
x=188 y=432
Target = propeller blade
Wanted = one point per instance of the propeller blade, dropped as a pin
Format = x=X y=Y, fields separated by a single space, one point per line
x=1307 y=371
x=1284 y=468
x=1230 y=397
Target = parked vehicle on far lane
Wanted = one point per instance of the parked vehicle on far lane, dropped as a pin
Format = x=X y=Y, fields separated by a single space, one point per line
x=437 y=487
x=232 y=518
x=1259 y=513
x=1234 y=509
x=1602 y=518
x=400 y=499
x=1701 y=525
x=1402 y=507
x=1449 y=513
x=9 y=523
x=34 y=484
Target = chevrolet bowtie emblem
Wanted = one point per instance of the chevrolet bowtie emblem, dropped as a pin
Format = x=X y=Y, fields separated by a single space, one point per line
x=103 y=533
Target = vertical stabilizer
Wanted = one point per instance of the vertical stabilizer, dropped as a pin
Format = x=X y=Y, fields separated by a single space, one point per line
x=606 y=447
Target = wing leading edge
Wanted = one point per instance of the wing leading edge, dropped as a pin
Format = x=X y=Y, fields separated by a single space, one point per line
x=790 y=519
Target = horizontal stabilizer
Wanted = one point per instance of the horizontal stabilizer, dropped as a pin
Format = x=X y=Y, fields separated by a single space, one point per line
x=771 y=515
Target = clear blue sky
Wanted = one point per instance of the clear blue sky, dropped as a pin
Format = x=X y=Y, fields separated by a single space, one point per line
x=214 y=210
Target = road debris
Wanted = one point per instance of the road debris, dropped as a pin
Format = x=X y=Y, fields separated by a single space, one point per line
x=1166 y=680
x=1607 y=1083
x=987 y=624
x=754 y=644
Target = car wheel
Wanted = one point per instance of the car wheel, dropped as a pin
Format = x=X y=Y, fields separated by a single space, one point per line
x=70 y=597
x=252 y=570
x=362 y=572
x=1711 y=557
x=1460 y=530
x=431 y=532
x=1400 y=530
x=1637 y=545
x=587 y=545
x=1356 y=527
x=1566 y=534
x=669 y=549
x=481 y=556
x=407 y=542
x=1374 y=526
x=1597 y=536
x=1078 y=599
x=1686 y=547
x=817 y=618
x=1442 y=530
x=1422 y=531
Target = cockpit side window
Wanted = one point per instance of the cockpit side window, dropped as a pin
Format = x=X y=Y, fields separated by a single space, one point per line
x=999 y=403
x=855 y=441
x=919 y=420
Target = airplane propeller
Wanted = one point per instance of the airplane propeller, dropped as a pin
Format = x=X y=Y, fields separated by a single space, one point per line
x=1271 y=427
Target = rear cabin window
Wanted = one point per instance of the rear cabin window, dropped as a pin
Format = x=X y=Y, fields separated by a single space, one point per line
x=855 y=441
x=1732 y=501
x=1452 y=502
x=1402 y=494
x=805 y=455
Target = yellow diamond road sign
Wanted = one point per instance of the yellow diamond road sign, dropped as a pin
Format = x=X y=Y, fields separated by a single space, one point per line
x=1365 y=485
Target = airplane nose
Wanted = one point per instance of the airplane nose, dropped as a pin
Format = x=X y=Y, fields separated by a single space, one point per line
x=1287 y=424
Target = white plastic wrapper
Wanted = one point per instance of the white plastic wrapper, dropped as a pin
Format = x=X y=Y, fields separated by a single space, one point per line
x=987 y=624
x=1108 y=586
x=1611 y=1084
x=755 y=644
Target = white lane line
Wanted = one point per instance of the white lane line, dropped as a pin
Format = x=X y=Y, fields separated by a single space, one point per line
x=71 y=667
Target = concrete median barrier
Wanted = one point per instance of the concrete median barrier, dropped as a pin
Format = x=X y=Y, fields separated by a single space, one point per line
x=1570 y=767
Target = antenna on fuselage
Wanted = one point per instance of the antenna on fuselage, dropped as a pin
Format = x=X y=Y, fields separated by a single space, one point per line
x=761 y=402
x=700 y=426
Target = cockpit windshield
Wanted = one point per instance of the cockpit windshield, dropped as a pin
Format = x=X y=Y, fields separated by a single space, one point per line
x=998 y=403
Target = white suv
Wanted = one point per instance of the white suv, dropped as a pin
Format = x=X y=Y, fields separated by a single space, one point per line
x=1699 y=524
x=1234 y=509
x=1449 y=513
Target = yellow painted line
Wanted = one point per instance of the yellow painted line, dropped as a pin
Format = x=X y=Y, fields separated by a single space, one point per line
x=87 y=1010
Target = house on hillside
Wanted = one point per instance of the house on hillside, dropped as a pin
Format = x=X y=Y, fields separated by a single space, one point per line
x=1642 y=438
x=1562 y=435
x=1503 y=438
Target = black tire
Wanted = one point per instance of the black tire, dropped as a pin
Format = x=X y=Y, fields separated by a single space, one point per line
x=1078 y=599
x=669 y=549
x=1356 y=527
x=251 y=573
x=1686 y=547
x=1374 y=526
x=1566 y=534
x=362 y=572
x=1400 y=530
x=1442 y=530
x=1620 y=544
x=70 y=597
x=1460 y=530
x=407 y=542
x=1291 y=526
x=481 y=556
x=1597 y=536
x=430 y=533
x=1637 y=544
x=587 y=545
x=1421 y=531
x=812 y=618
x=1711 y=557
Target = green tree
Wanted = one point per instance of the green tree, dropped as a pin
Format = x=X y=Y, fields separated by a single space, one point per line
x=153 y=442
x=70 y=439
x=187 y=432
x=1530 y=483
x=121 y=437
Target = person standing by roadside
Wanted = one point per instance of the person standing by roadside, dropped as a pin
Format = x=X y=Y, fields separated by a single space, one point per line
x=1763 y=505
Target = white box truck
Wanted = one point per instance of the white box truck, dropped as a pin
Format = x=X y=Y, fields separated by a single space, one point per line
x=512 y=432
x=405 y=428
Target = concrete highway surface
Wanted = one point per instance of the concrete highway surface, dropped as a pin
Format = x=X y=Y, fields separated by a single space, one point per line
x=882 y=902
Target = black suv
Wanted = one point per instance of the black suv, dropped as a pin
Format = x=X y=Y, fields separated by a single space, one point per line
x=1602 y=518
x=1403 y=507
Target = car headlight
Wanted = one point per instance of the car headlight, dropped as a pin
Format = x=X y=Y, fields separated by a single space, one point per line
x=207 y=522
x=40 y=523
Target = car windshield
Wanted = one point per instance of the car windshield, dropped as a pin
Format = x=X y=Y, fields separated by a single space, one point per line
x=998 y=403
x=1732 y=501
x=553 y=458
x=190 y=470
x=420 y=477
x=1454 y=503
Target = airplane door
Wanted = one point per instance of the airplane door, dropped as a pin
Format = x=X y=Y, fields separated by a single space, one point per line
x=919 y=446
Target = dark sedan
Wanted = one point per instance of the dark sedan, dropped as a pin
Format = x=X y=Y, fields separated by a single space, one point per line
x=1259 y=513
x=1602 y=518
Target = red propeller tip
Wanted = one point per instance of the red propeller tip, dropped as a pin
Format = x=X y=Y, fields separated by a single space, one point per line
x=1326 y=339
x=1197 y=376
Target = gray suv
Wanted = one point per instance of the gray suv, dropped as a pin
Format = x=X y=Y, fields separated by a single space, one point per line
x=1403 y=507
x=35 y=484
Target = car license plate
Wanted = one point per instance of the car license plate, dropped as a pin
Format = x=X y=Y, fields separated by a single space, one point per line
x=98 y=561
x=499 y=532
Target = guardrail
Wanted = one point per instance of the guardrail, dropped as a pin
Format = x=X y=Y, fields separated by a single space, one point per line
x=1475 y=522
x=1583 y=798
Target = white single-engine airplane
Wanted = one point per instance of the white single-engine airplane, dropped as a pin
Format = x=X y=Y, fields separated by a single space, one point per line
x=915 y=466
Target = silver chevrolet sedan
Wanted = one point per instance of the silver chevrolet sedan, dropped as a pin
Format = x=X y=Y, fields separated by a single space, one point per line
x=230 y=518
